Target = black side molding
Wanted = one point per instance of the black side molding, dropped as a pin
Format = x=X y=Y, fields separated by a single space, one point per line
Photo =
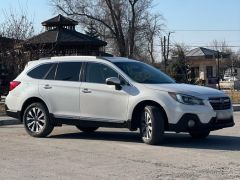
x=87 y=123
x=12 y=114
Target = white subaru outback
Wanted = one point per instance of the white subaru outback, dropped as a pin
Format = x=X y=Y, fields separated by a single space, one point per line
x=93 y=92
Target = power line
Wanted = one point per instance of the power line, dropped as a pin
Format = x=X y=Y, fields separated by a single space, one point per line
x=202 y=45
x=206 y=30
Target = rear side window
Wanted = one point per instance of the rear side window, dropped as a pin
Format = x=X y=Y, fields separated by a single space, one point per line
x=40 y=71
x=68 y=71
x=51 y=73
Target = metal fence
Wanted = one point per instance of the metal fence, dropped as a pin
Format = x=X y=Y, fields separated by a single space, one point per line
x=2 y=100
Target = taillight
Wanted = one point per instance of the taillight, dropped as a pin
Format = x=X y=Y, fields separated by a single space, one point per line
x=13 y=85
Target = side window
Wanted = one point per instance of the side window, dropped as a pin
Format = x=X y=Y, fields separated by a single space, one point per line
x=98 y=73
x=68 y=71
x=51 y=73
x=40 y=71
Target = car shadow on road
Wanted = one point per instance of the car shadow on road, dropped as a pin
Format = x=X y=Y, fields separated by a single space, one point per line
x=103 y=135
x=214 y=142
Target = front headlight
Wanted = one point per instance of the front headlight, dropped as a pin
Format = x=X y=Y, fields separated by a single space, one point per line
x=186 y=99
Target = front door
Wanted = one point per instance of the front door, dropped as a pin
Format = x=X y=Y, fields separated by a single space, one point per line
x=99 y=101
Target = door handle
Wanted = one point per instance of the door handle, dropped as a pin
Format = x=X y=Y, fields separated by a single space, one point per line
x=85 y=90
x=47 y=86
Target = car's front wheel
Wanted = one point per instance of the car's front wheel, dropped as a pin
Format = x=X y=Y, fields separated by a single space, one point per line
x=152 y=125
x=87 y=129
x=36 y=120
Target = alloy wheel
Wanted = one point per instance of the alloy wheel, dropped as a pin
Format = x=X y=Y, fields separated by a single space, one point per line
x=35 y=120
x=147 y=126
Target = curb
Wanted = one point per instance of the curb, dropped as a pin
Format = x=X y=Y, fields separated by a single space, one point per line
x=9 y=122
x=236 y=108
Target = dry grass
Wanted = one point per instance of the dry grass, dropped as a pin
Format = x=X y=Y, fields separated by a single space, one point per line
x=234 y=95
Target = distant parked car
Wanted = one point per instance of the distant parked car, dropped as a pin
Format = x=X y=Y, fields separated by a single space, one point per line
x=230 y=78
x=232 y=74
x=93 y=92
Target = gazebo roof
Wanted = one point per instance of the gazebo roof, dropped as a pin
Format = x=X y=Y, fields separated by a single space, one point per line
x=63 y=36
x=6 y=40
x=59 y=20
x=204 y=52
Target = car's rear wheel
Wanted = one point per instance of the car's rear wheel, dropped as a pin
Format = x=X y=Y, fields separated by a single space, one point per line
x=152 y=125
x=36 y=120
x=199 y=134
x=87 y=129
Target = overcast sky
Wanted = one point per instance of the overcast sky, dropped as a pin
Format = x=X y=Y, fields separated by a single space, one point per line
x=194 y=22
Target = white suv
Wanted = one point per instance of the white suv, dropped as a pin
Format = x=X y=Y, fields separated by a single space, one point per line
x=92 y=92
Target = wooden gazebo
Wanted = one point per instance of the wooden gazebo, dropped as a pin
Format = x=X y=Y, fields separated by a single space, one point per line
x=61 y=38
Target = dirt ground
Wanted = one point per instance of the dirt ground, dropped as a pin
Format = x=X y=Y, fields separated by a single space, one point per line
x=118 y=154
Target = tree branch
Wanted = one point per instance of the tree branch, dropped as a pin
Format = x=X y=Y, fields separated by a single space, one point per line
x=88 y=16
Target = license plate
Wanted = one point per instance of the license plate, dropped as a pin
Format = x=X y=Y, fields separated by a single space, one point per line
x=224 y=114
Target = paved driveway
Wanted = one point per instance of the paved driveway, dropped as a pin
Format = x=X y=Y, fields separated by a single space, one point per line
x=117 y=154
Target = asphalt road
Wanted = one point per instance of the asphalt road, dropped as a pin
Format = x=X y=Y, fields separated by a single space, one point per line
x=117 y=154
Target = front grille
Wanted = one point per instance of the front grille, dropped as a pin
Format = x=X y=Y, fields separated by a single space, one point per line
x=220 y=103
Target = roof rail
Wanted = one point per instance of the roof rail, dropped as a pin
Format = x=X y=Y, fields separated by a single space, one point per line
x=103 y=58
x=44 y=58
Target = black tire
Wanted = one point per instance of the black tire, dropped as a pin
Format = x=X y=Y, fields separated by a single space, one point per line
x=36 y=120
x=199 y=134
x=156 y=135
x=87 y=129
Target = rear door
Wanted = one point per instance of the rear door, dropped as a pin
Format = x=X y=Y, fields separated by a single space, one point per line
x=60 y=89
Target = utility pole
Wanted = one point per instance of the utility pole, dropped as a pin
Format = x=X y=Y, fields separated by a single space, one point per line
x=168 y=44
x=218 y=72
x=165 y=44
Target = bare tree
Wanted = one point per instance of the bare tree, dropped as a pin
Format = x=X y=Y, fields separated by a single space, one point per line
x=16 y=28
x=231 y=58
x=152 y=32
x=220 y=46
x=179 y=67
x=179 y=50
x=165 y=49
x=123 y=20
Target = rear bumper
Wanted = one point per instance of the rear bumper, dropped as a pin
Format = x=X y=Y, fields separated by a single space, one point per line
x=214 y=124
x=13 y=114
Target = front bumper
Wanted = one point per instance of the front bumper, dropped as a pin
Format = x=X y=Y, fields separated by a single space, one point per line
x=213 y=124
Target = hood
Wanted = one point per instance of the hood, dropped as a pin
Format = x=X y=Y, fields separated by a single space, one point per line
x=192 y=90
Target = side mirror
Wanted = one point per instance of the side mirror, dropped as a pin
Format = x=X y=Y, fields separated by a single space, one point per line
x=114 y=81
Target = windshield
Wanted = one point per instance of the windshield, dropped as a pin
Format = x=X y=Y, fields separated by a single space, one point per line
x=144 y=73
